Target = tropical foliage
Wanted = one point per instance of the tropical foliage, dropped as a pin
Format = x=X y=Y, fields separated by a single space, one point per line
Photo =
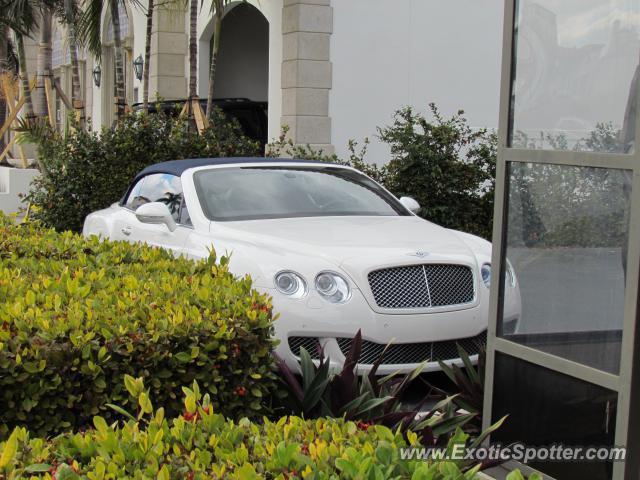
x=86 y=171
x=446 y=165
x=367 y=398
x=77 y=315
x=469 y=385
x=20 y=17
x=201 y=443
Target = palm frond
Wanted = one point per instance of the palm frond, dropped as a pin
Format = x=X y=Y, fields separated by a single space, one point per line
x=67 y=12
x=33 y=131
x=20 y=15
x=89 y=26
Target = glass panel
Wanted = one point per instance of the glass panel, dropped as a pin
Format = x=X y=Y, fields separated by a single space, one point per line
x=134 y=200
x=162 y=187
x=252 y=193
x=546 y=408
x=124 y=24
x=57 y=53
x=185 y=218
x=567 y=231
x=576 y=67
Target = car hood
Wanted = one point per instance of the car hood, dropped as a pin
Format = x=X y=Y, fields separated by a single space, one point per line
x=353 y=243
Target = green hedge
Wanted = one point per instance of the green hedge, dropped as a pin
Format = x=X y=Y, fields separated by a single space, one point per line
x=442 y=162
x=84 y=171
x=78 y=314
x=202 y=444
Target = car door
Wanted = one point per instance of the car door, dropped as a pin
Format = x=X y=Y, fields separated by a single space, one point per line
x=158 y=187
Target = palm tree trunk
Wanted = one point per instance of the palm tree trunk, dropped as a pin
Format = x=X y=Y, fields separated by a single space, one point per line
x=76 y=89
x=193 y=49
x=24 y=78
x=43 y=62
x=214 y=56
x=147 y=58
x=119 y=86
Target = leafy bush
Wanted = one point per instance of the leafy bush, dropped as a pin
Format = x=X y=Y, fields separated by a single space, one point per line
x=568 y=206
x=468 y=385
x=284 y=147
x=78 y=314
x=517 y=475
x=367 y=398
x=447 y=166
x=86 y=171
x=201 y=444
x=561 y=205
x=441 y=162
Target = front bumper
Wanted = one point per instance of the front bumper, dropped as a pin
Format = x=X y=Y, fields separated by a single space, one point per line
x=333 y=325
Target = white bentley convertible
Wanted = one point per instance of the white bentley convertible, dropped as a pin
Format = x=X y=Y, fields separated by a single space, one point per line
x=335 y=250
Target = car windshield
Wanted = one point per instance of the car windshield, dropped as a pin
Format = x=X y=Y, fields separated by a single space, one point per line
x=252 y=193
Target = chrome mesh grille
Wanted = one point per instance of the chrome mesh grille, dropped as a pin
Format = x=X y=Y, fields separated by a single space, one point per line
x=310 y=344
x=422 y=286
x=403 y=353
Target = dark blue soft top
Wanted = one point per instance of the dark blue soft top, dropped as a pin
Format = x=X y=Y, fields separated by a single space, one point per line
x=177 y=167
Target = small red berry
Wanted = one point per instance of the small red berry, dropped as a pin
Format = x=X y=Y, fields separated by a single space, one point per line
x=190 y=416
x=363 y=426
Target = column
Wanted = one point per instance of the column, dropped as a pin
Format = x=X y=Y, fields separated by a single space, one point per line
x=306 y=71
x=167 y=77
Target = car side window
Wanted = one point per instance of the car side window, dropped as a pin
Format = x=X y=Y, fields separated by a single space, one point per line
x=158 y=187
x=185 y=219
x=134 y=200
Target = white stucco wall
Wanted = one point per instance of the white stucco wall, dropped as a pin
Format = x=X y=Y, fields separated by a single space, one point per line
x=14 y=183
x=387 y=54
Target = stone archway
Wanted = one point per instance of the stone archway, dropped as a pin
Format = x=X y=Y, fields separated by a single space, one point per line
x=243 y=60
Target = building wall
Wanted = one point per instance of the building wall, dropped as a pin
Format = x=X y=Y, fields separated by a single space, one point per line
x=336 y=69
x=307 y=72
x=388 y=54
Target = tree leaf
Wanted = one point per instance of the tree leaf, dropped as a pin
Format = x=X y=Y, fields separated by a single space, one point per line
x=121 y=411
x=10 y=449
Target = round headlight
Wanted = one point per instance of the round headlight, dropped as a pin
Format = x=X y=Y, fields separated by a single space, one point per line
x=333 y=287
x=485 y=271
x=290 y=284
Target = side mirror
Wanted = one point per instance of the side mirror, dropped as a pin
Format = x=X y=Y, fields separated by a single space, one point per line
x=156 y=213
x=410 y=204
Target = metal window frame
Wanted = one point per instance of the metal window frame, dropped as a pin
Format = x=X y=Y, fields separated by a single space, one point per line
x=626 y=383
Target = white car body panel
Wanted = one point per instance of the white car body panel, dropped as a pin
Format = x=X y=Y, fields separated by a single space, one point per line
x=350 y=245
